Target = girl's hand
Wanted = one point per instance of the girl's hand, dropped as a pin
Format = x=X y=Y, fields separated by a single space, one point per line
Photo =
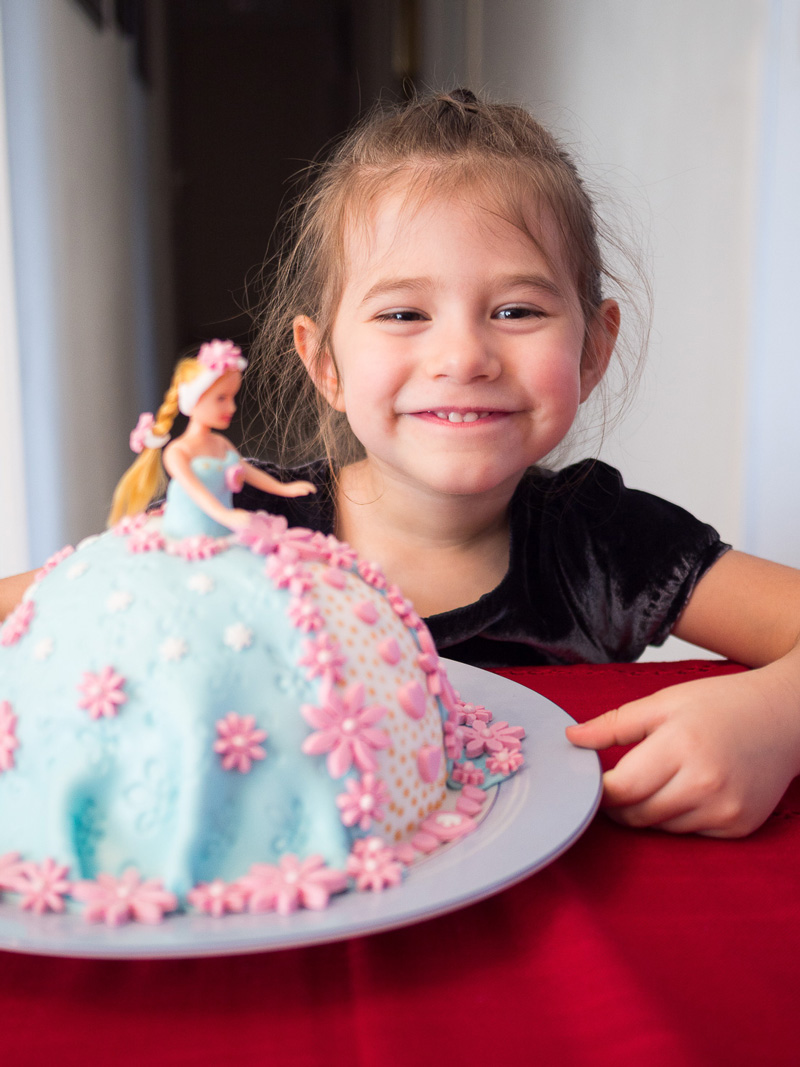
x=714 y=756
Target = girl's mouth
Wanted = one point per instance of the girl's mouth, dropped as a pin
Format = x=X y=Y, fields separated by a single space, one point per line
x=459 y=415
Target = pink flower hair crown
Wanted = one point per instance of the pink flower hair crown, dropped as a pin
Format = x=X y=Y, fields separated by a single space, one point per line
x=216 y=358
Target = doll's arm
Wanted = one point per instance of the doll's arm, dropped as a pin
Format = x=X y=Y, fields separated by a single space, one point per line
x=715 y=755
x=11 y=590
x=261 y=480
x=177 y=465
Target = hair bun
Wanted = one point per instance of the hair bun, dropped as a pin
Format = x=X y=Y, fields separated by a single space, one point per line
x=464 y=96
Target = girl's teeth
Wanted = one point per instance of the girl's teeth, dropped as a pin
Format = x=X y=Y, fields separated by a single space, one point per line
x=456 y=416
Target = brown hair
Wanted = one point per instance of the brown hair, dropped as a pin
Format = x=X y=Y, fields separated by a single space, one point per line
x=432 y=143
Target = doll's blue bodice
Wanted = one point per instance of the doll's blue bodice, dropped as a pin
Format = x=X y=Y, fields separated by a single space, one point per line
x=184 y=518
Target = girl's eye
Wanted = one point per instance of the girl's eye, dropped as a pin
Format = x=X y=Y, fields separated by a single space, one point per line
x=400 y=315
x=517 y=312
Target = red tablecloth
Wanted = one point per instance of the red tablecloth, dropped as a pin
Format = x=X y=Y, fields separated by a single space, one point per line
x=634 y=947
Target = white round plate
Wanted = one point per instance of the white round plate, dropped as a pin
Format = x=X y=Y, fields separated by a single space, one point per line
x=535 y=816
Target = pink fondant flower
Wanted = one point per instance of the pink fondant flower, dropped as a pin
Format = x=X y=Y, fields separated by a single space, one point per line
x=263 y=533
x=491 y=737
x=118 y=900
x=338 y=553
x=8 y=736
x=292 y=884
x=234 y=478
x=453 y=740
x=53 y=561
x=398 y=602
x=363 y=801
x=373 y=865
x=218 y=897
x=292 y=576
x=304 y=614
x=506 y=761
x=238 y=742
x=345 y=729
x=10 y=870
x=469 y=714
x=220 y=356
x=468 y=774
x=102 y=693
x=139 y=433
x=42 y=887
x=323 y=658
x=126 y=526
x=200 y=546
x=372 y=574
x=17 y=623
x=143 y=540
x=428 y=659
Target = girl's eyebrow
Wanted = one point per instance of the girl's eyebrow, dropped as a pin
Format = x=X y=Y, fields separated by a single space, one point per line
x=388 y=286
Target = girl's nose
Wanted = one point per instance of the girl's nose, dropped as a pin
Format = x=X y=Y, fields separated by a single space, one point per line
x=463 y=353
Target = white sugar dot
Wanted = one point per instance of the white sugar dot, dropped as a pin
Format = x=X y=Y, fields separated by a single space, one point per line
x=201 y=583
x=43 y=649
x=119 y=600
x=238 y=636
x=76 y=570
x=173 y=649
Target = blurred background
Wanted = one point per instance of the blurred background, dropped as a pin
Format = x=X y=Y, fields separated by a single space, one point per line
x=146 y=146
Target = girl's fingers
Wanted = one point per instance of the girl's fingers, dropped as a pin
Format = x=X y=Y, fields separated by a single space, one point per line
x=625 y=725
x=640 y=775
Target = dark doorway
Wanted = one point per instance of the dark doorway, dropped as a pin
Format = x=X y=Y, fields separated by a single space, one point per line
x=256 y=89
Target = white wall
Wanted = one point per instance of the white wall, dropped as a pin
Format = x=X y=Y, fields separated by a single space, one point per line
x=78 y=126
x=690 y=110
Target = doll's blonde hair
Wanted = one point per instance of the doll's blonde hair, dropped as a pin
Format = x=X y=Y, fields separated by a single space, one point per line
x=145 y=479
x=442 y=143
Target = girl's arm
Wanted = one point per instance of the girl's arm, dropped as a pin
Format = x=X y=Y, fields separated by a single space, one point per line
x=177 y=465
x=11 y=590
x=715 y=755
x=261 y=480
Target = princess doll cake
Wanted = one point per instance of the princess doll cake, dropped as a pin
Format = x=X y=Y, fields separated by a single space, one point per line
x=204 y=708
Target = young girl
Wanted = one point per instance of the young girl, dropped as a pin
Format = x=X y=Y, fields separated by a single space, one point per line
x=443 y=290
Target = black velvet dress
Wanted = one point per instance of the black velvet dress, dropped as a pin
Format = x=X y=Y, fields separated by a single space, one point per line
x=597 y=571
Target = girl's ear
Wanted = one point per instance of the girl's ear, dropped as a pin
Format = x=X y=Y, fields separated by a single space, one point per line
x=601 y=336
x=320 y=365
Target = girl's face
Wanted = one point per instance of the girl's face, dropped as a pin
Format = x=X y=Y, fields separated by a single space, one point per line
x=217 y=406
x=458 y=347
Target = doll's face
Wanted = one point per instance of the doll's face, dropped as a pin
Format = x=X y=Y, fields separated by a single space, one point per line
x=217 y=406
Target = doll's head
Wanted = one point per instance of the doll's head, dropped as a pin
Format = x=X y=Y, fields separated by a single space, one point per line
x=496 y=155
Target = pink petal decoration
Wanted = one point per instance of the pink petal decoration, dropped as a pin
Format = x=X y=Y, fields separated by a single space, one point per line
x=323 y=658
x=506 y=761
x=217 y=898
x=448 y=825
x=17 y=623
x=372 y=574
x=10 y=870
x=334 y=577
x=234 y=478
x=373 y=865
x=412 y=699
x=118 y=900
x=491 y=737
x=239 y=742
x=468 y=807
x=468 y=774
x=292 y=884
x=429 y=762
x=389 y=651
x=304 y=615
x=364 y=801
x=53 y=561
x=345 y=730
x=366 y=611
x=42 y=887
x=263 y=533
x=102 y=693
x=8 y=735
